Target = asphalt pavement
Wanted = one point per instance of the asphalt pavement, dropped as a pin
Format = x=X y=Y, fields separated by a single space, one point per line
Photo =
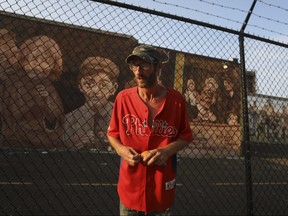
x=85 y=183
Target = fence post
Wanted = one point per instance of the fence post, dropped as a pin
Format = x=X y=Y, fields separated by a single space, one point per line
x=246 y=140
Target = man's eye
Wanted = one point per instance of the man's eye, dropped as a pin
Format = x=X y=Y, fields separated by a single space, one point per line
x=145 y=65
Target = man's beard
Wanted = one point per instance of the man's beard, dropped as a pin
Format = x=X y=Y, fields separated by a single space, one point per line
x=146 y=81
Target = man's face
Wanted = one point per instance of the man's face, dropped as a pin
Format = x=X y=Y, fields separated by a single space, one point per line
x=145 y=73
x=97 y=89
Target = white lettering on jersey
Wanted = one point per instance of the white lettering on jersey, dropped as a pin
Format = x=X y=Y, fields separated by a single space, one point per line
x=159 y=127
x=171 y=184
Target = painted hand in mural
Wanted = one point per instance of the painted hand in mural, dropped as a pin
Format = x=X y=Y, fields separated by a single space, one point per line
x=42 y=95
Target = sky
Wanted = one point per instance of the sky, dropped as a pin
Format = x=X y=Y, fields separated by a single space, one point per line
x=269 y=20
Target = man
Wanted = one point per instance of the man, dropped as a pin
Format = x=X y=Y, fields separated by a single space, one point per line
x=148 y=117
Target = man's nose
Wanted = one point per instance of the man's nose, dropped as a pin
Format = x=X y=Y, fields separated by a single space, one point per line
x=138 y=70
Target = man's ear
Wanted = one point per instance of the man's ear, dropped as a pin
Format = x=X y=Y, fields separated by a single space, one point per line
x=159 y=65
x=159 y=68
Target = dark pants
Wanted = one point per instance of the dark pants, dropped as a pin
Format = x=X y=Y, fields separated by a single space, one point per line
x=130 y=212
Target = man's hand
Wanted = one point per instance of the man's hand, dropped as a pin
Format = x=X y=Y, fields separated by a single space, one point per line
x=130 y=155
x=156 y=156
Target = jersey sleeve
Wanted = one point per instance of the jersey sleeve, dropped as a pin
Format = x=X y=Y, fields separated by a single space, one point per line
x=113 y=129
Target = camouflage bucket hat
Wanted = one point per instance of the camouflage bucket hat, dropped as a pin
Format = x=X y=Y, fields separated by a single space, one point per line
x=145 y=52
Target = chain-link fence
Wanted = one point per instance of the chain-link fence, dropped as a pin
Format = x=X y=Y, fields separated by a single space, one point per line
x=61 y=68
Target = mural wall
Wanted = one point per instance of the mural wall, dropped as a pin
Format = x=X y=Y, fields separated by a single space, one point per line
x=268 y=119
x=58 y=84
x=212 y=89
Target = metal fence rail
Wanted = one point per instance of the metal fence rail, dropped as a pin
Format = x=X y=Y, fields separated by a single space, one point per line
x=60 y=70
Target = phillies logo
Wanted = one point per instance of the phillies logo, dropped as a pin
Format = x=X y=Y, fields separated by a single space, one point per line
x=159 y=127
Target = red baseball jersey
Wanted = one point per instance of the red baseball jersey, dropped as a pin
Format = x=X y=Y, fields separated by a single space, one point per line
x=149 y=188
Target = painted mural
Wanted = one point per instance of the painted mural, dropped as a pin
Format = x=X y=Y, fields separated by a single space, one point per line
x=58 y=85
x=268 y=119
x=212 y=89
x=32 y=110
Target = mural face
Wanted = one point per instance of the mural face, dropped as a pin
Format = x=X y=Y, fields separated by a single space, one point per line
x=41 y=57
x=96 y=89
